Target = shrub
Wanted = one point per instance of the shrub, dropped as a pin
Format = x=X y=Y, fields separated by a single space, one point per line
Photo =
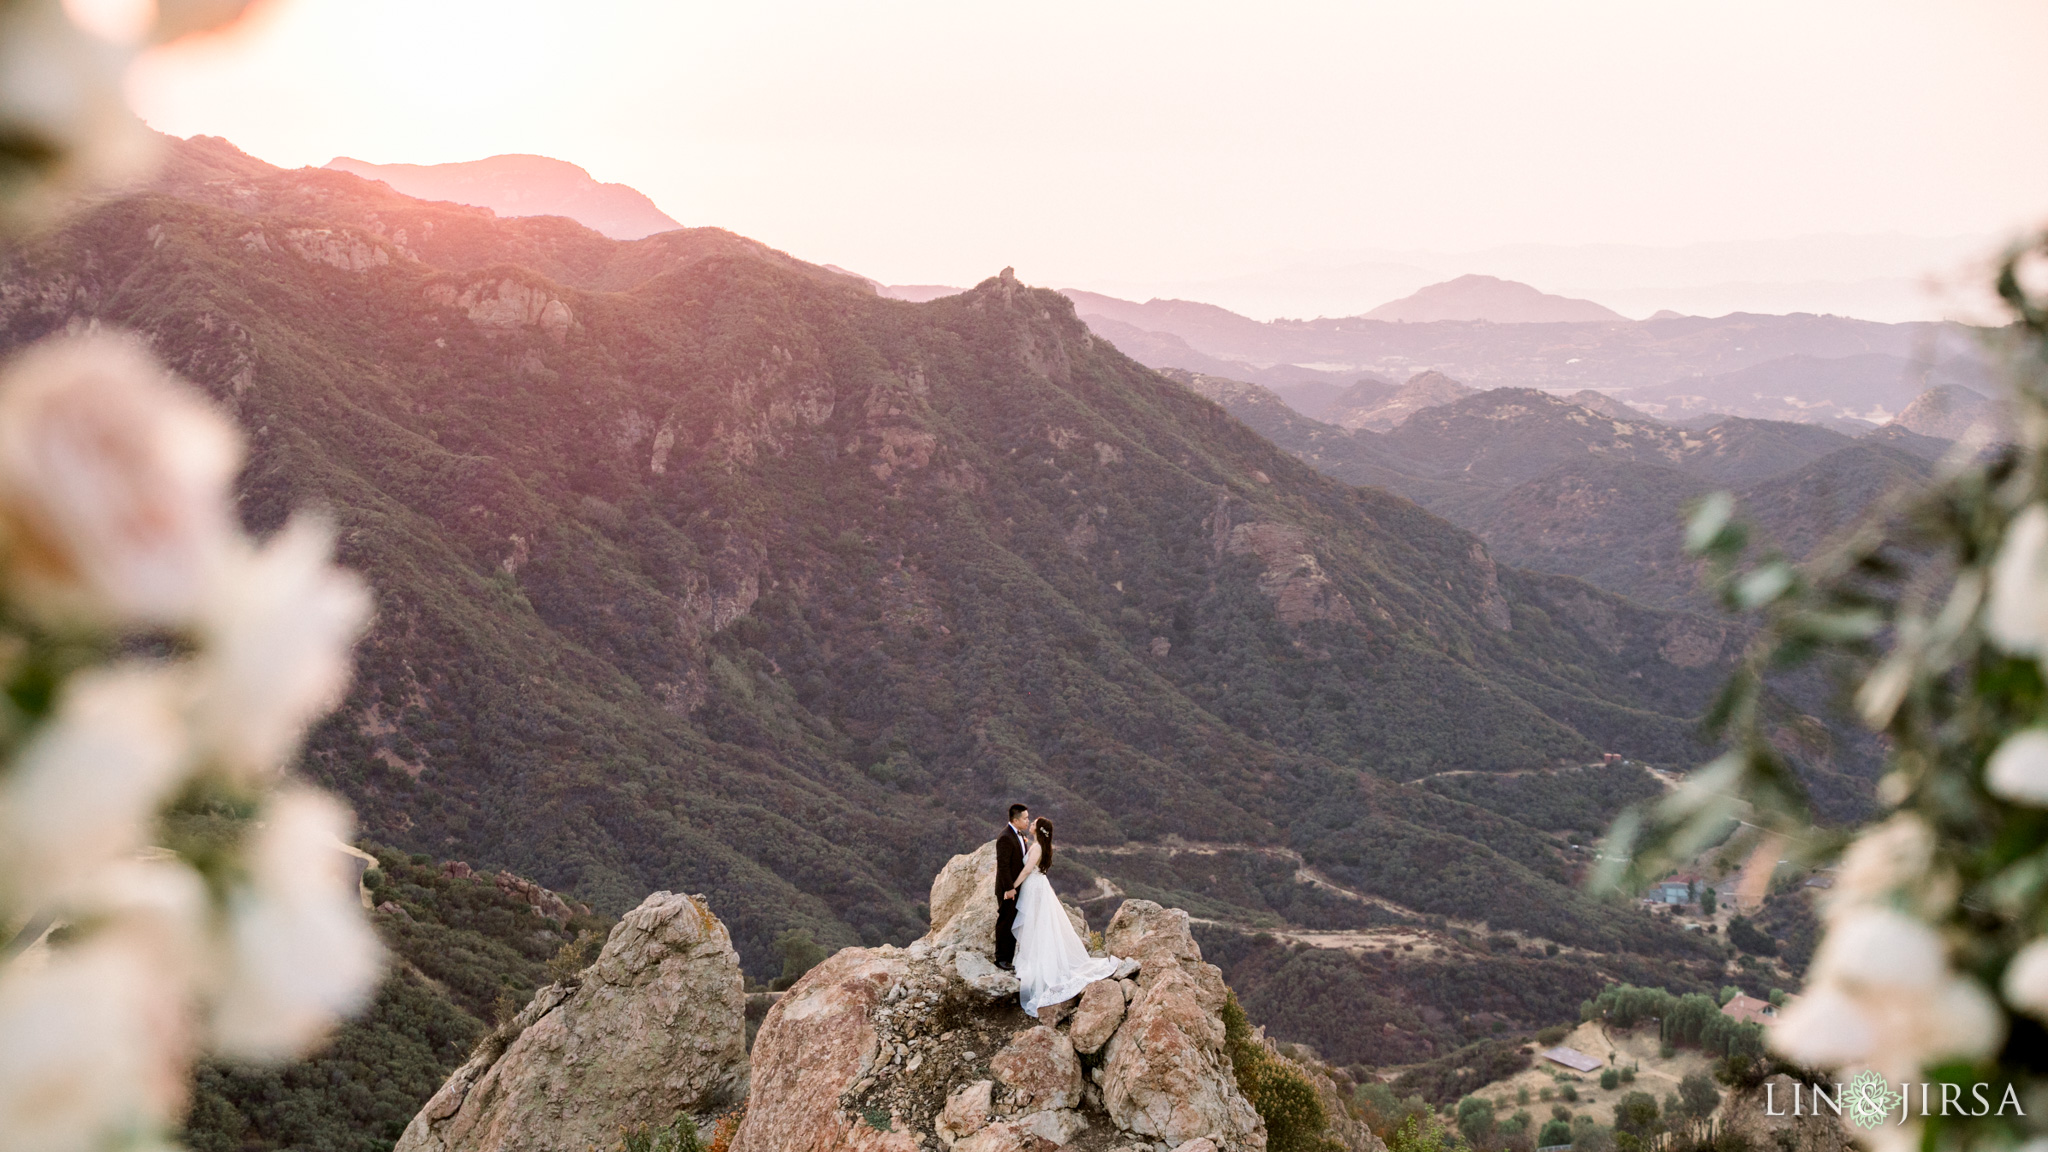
x=1554 y=1132
x=679 y=1136
x=1610 y=1079
x=1568 y=1093
x=1282 y=1096
x=1420 y=1133
x=1697 y=1095
x=1475 y=1120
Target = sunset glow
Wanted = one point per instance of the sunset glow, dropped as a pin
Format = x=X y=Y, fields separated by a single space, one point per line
x=1160 y=144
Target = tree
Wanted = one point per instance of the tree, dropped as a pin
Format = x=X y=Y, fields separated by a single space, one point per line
x=1750 y=938
x=1475 y=1120
x=800 y=954
x=1610 y=1079
x=1708 y=902
x=1729 y=992
x=1636 y=1114
x=1697 y=1096
x=1420 y=1133
x=1554 y=1133
x=1778 y=997
x=1588 y=1136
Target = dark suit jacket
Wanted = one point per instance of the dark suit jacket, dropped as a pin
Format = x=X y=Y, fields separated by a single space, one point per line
x=1009 y=860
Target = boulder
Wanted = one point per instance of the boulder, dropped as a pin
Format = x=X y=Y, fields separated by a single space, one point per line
x=980 y=973
x=817 y=1044
x=1038 y=1132
x=1095 y=1019
x=967 y=1111
x=1165 y=1072
x=1204 y=1144
x=654 y=1028
x=963 y=902
x=1160 y=940
x=1040 y=1071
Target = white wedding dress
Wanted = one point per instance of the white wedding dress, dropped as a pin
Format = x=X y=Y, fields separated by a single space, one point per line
x=1052 y=962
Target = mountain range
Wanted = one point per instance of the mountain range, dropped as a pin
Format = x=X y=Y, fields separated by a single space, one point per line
x=700 y=567
x=1848 y=374
x=518 y=185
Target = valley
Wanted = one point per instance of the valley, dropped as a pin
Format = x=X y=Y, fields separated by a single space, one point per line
x=701 y=568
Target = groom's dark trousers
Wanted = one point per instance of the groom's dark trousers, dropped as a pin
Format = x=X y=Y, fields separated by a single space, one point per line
x=1009 y=864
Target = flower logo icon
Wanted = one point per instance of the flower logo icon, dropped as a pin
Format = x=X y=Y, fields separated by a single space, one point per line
x=1868 y=1099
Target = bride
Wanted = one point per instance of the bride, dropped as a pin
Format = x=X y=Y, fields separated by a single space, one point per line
x=1052 y=963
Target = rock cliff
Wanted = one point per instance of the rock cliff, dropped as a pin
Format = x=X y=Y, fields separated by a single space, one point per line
x=917 y=1049
x=653 y=1029
x=924 y=1047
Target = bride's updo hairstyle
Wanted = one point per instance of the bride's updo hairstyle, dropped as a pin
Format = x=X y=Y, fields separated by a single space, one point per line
x=1044 y=829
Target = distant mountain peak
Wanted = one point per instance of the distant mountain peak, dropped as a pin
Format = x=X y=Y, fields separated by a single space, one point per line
x=517 y=184
x=1491 y=298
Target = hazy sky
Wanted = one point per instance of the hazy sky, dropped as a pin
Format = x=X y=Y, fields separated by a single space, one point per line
x=1140 y=143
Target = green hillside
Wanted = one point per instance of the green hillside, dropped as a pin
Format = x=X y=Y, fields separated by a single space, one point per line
x=700 y=568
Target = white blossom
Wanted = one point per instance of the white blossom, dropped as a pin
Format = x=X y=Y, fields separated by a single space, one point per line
x=60 y=88
x=84 y=793
x=2026 y=979
x=300 y=951
x=2018 y=769
x=2016 y=617
x=1825 y=1028
x=1880 y=990
x=95 y=1048
x=279 y=626
x=114 y=484
x=1886 y=860
x=1879 y=949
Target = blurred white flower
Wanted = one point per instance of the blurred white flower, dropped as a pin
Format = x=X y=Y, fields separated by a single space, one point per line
x=2018 y=769
x=1882 y=950
x=114 y=484
x=60 y=93
x=1885 y=860
x=279 y=626
x=2026 y=979
x=84 y=793
x=1825 y=1028
x=93 y=1049
x=2016 y=616
x=300 y=952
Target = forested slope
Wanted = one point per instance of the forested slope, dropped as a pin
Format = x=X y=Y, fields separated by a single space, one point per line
x=700 y=568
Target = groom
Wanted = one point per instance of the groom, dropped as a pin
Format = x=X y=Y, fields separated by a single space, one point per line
x=1010 y=846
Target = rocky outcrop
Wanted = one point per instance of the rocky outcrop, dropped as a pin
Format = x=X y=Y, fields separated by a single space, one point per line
x=912 y=1048
x=654 y=1028
x=505 y=306
x=1166 y=1074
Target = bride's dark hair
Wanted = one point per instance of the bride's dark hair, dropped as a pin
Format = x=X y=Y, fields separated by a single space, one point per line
x=1044 y=829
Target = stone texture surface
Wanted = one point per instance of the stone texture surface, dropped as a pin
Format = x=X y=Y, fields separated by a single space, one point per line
x=963 y=902
x=1165 y=1072
x=655 y=1027
x=967 y=1111
x=1095 y=1019
x=818 y=1043
x=901 y=1049
x=1038 y=1132
x=1039 y=1070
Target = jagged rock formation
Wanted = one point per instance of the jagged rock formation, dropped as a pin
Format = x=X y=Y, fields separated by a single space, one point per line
x=903 y=1049
x=654 y=1028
